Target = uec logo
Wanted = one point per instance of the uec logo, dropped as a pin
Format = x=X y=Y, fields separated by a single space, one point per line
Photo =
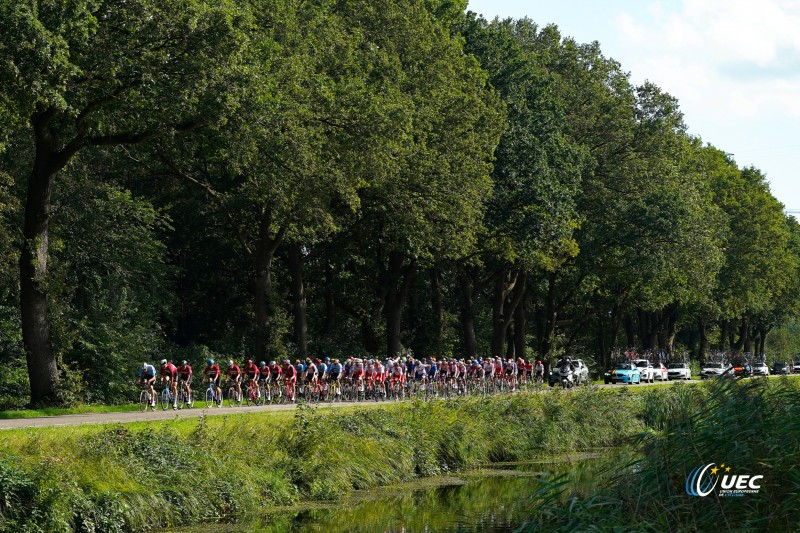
x=700 y=484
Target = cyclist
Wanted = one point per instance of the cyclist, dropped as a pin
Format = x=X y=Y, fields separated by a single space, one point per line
x=290 y=377
x=185 y=378
x=433 y=370
x=358 y=374
x=323 y=367
x=335 y=371
x=213 y=373
x=539 y=371
x=169 y=373
x=146 y=377
x=379 y=376
x=528 y=369
x=235 y=376
x=251 y=375
x=312 y=371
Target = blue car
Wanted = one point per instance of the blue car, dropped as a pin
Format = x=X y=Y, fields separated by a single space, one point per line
x=626 y=373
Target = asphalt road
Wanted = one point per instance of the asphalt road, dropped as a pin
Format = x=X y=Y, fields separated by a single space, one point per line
x=169 y=414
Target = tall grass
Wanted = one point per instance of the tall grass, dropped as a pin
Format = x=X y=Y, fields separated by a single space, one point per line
x=137 y=477
x=751 y=426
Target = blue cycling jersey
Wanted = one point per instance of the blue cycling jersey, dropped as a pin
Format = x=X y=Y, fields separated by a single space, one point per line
x=150 y=372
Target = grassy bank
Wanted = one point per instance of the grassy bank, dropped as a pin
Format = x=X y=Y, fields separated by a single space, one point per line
x=751 y=426
x=138 y=476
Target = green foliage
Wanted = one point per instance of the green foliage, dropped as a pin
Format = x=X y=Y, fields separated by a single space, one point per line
x=224 y=467
x=745 y=424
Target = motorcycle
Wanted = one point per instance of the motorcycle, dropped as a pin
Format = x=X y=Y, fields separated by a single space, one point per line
x=566 y=376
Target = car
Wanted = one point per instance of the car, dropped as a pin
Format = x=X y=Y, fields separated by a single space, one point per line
x=781 y=367
x=646 y=369
x=679 y=371
x=741 y=368
x=626 y=372
x=660 y=372
x=760 y=369
x=579 y=369
x=795 y=366
x=713 y=369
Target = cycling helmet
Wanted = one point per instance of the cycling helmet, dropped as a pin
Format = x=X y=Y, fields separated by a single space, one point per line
x=327 y=359
x=230 y=362
x=272 y=363
x=144 y=366
x=318 y=360
x=286 y=362
x=262 y=364
x=249 y=361
x=163 y=362
x=184 y=363
x=210 y=362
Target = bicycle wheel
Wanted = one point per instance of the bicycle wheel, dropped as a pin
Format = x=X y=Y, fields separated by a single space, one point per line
x=163 y=399
x=144 y=400
x=210 y=398
x=247 y=394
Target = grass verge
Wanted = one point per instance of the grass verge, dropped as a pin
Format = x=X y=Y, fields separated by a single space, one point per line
x=144 y=476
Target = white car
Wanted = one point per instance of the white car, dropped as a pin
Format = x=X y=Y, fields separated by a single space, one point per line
x=712 y=369
x=679 y=371
x=647 y=372
x=760 y=369
x=660 y=372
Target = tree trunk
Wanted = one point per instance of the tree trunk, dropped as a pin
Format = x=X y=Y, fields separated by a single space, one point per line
x=295 y=264
x=551 y=315
x=467 y=285
x=330 y=304
x=723 y=335
x=438 y=313
x=399 y=279
x=744 y=332
x=499 y=324
x=262 y=262
x=701 y=329
x=520 y=329
x=630 y=332
x=672 y=331
x=508 y=294
x=34 y=301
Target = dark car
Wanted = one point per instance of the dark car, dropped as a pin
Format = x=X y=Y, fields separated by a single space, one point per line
x=781 y=367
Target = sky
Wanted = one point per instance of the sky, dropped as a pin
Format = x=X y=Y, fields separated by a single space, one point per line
x=733 y=65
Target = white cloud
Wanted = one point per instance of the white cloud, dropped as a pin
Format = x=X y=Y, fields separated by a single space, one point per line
x=691 y=51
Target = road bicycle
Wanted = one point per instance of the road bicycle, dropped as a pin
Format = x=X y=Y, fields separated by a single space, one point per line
x=167 y=398
x=234 y=396
x=185 y=397
x=146 y=399
x=252 y=396
x=212 y=398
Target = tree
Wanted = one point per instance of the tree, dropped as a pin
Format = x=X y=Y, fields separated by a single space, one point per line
x=92 y=73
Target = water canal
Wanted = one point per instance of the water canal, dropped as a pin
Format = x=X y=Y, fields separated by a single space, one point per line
x=496 y=500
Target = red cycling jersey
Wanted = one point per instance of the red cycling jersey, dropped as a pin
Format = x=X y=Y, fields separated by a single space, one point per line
x=251 y=370
x=234 y=371
x=185 y=372
x=290 y=373
x=212 y=371
x=169 y=370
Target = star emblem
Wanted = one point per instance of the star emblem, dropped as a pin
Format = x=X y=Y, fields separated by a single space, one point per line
x=728 y=469
x=714 y=470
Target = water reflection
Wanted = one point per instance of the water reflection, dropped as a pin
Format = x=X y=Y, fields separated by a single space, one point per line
x=490 y=501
